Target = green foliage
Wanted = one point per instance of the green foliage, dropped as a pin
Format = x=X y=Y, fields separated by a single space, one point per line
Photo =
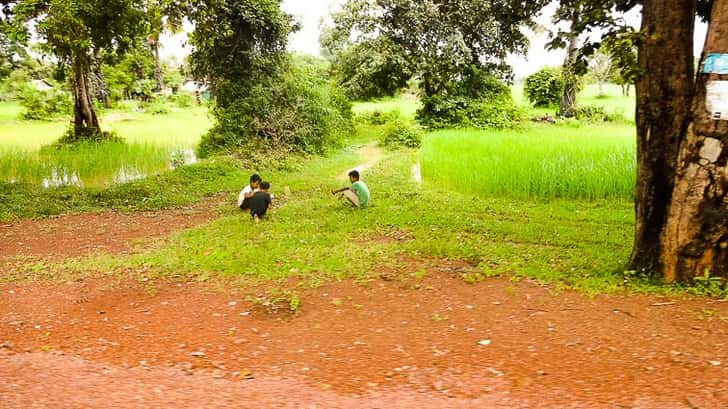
x=441 y=42
x=237 y=42
x=481 y=102
x=377 y=117
x=596 y=113
x=239 y=49
x=13 y=85
x=400 y=133
x=173 y=78
x=714 y=286
x=44 y=105
x=544 y=87
x=124 y=75
x=157 y=106
x=73 y=137
x=144 y=89
x=182 y=99
x=75 y=32
x=371 y=69
x=296 y=112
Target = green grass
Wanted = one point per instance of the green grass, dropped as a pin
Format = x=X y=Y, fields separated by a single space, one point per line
x=543 y=161
x=86 y=164
x=179 y=128
x=311 y=237
x=314 y=238
x=152 y=140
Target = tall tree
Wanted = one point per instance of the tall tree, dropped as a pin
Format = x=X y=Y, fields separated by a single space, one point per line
x=680 y=203
x=74 y=31
x=162 y=15
x=443 y=40
x=601 y=69
x=695 y=238
x=664 y=94
x=581 y=16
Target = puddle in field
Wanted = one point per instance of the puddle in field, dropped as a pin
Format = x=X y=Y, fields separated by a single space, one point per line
x=57 y=179
x=64 y=177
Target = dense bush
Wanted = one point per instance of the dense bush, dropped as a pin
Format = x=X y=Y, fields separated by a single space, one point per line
x=596 y=113
x=300 y=111
x=377 y=117
x=156 y=106
x=399 y=133
x=42 y=105
x=182 y=99
x=483 y=102
x=544 y=87
x=372 y=69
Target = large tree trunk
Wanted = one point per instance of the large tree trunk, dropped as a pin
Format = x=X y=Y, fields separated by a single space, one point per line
x=664 y=94
x=98 y=87
x=695 y=239
x=154 y=46
x=85 y=122
x=567 y=105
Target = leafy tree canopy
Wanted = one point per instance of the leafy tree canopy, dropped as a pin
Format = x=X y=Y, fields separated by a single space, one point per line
x=237 y=41
x=441 y=40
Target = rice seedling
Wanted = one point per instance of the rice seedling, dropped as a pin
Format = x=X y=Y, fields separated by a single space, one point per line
x=540 y=162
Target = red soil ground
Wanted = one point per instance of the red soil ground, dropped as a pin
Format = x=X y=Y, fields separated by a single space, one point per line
x=387 y=343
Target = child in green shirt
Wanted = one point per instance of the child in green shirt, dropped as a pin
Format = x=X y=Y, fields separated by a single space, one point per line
x=358 y=193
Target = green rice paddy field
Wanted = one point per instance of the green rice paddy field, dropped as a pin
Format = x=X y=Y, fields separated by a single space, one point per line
x=569 y=160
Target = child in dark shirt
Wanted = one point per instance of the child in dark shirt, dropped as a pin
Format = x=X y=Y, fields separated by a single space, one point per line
x=261 y=202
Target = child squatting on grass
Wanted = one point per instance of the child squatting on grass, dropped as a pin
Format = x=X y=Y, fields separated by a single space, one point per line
x=246 y=195
x=261 y=202
x=357 y=194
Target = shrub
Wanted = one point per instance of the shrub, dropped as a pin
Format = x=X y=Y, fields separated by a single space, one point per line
x=182 y=99
x=596 y=113
x=377 y=117
x=479 y=100
x=497 y=112
x=157 y=106
x=300 y=111
x=42 y=105
x=400 y=133
x=372 y=69
x=544 y=87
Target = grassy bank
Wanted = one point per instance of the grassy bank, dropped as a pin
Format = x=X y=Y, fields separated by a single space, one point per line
x=313 y=237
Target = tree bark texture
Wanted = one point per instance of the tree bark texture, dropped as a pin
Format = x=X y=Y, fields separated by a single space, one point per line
x=664 y=94
x=695 y=238
x=567 y=105
x=85 y=122
x=154 y=45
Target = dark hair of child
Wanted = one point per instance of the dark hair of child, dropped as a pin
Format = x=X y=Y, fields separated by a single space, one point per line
x=264 y=185
x=255 y=178
x=354 y=174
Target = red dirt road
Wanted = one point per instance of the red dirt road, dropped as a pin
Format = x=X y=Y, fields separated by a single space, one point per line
x=116 y=344
x=74 y=235
x=394 y=343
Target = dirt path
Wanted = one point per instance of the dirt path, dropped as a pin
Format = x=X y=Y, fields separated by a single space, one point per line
x=105 y=343
x=371 y=154
x=74 y=235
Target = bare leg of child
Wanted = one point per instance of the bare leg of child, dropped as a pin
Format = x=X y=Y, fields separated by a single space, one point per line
x=352 y=197
x=256 y=218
